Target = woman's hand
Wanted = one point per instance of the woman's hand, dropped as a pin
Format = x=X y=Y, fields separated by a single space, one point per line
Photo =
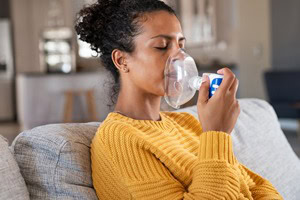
x=220 y=112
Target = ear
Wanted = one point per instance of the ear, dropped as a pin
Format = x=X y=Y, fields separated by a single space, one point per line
x=119 y=59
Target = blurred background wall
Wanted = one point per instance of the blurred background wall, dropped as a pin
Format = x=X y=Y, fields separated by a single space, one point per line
x=285 y=34
x=245 y=26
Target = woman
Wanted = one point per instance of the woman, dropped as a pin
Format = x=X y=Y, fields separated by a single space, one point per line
x=139 y=152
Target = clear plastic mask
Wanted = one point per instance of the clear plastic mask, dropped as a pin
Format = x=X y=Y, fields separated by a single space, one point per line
x=180 y=72
x=182 y=80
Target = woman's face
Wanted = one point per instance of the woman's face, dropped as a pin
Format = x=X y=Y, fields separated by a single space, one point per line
x=160 y=36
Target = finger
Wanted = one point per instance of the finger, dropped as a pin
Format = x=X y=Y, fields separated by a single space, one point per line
x=233 y=90
x=237 y=103
x=238 y=108
x=204 y=90
x=234 y=86
x=237 y=86
x=227 y=80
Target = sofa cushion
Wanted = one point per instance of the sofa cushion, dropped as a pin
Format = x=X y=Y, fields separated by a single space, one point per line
x=260 y=144
x=12 y=184
x=55 y=161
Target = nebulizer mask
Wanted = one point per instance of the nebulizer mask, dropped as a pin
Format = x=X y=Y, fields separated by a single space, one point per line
x=181 y=80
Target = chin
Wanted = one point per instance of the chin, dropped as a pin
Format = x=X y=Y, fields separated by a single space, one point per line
x=158 y=93
x=161 y=95
x=161 y=91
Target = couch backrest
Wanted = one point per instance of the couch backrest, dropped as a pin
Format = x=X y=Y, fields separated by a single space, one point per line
x=55 y=159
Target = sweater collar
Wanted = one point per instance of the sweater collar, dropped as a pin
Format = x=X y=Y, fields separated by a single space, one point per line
x=163 y=124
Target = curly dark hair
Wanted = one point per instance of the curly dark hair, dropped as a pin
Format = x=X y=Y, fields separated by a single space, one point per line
x=113 y=24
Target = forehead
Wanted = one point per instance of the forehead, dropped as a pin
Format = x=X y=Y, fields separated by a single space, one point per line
x=160 y=22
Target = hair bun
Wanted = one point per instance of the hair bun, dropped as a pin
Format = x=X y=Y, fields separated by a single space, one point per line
x=93 y=18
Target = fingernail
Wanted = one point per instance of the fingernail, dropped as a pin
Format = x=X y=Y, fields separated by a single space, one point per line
x=220 y=71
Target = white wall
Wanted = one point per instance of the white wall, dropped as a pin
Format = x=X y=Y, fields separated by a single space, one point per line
x=285 y=34
x=253 y=46
x=245 y=26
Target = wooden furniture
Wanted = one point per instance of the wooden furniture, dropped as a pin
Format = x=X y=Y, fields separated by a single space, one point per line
x=68 y=106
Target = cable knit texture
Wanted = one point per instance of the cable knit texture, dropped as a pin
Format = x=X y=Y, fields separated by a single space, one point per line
x=170 y=159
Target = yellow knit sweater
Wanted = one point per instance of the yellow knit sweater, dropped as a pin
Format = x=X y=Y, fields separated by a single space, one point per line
x=170 y=159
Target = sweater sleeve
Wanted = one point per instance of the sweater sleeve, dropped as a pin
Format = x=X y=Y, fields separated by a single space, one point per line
x=215 y=175
x=259 y=187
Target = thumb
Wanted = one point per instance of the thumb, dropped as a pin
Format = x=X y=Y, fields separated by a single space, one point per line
x=204 y=90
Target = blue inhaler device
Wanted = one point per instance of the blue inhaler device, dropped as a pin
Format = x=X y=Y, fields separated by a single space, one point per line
x=215 y=81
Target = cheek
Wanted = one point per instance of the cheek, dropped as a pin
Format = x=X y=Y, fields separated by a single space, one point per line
x=153 y=65
x=159 y=63
x=148 y=71
x=158 y=73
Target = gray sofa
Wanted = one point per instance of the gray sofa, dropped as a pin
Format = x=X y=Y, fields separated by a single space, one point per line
x=54 y=160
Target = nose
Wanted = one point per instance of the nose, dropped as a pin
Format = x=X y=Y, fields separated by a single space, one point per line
x=175 y=48
x=177 y=54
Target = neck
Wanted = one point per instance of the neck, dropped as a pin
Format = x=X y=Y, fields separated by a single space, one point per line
x=138 y=106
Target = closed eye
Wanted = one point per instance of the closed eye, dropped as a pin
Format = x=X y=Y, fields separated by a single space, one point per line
x=162 y=48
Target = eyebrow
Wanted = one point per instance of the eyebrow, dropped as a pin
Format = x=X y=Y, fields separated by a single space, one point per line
x=168 y=37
